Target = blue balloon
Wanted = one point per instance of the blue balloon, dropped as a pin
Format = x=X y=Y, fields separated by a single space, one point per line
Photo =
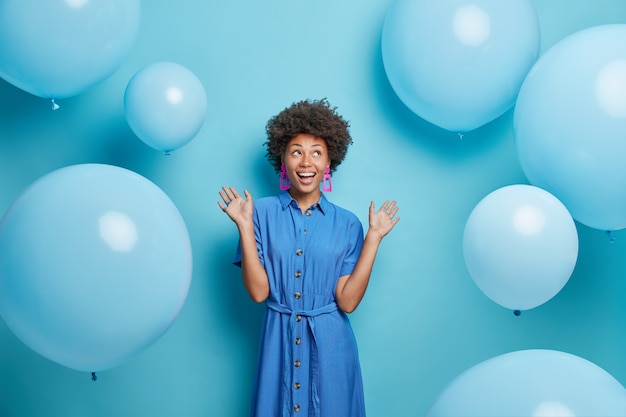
x=165 y=105
x=534 y=382
x=570 y=124
x=95 y=265
x=58 y=49
x=459 y=64
x=520 y=246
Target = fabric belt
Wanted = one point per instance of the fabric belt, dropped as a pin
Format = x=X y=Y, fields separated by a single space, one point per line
x=288 y=366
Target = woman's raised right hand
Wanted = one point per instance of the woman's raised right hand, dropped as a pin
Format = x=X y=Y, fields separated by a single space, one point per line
x=238 y=208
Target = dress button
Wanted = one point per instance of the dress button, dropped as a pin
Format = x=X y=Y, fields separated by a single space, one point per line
x=297 y=295
x=305 y=231
x=296 y=385
x=297 y=364
x=296 y=408
x=299 y=252
x=298 y=340
x=308 y=212
x=298 y=274
x=298 y=317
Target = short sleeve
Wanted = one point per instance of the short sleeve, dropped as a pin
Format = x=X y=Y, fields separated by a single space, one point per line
x=355 y=244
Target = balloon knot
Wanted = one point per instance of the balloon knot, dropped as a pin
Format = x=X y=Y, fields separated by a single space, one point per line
x=55 y=106
x=517 y=312
x=611 y=236
x=460 y=136
x=94 y=378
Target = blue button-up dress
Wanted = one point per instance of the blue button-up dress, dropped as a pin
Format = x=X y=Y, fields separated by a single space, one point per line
x=308 y=361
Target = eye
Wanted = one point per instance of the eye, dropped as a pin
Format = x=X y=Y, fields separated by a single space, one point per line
x=296 y=153
x=317 y=153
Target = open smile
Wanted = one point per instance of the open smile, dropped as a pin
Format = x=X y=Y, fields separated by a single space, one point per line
x=306 y=177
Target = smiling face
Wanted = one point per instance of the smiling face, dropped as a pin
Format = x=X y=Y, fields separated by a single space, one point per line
x=306 y=159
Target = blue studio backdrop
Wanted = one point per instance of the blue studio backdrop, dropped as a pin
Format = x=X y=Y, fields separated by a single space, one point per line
x=429 y=314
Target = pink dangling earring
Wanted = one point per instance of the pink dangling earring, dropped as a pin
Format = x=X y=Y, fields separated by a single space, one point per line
x=284 y=179
x=327 y=184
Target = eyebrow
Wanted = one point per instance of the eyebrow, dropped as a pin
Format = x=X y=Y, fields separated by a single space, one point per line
x=300 y=145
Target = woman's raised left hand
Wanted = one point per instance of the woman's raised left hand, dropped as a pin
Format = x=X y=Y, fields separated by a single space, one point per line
x=383 y=220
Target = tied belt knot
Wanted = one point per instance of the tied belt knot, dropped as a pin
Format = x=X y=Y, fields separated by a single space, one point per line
x=288 y=369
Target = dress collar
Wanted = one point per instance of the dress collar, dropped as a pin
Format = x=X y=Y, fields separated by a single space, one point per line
x=286 y=199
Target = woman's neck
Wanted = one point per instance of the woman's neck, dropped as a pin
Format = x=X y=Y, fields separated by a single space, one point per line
x=305 y=200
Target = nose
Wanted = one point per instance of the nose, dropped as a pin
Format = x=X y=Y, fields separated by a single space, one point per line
x=305 y=161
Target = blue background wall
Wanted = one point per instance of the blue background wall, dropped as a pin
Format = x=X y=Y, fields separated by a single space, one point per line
x=423 y=320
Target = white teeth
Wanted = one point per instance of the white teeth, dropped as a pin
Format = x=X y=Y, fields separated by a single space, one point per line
x=306 y=174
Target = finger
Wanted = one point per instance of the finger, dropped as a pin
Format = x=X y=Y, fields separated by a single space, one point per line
x=222 y=206
x=392 y=209
x=247 y=194
x=234 y=193
x=226 y=194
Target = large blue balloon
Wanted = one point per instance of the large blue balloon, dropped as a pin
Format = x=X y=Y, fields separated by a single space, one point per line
x=520 y=246
x=165 y=105
x=95 y=265
x=570 y=125
x=538 y=383
x=459 y=64
x=57 y=49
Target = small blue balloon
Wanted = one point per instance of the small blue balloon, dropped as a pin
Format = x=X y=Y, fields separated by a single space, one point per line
x=459 y=64
x=570 y=124
x=95 y=265
x=533 y=382
x=520 y=246
x=165 y=105
x=58 y=49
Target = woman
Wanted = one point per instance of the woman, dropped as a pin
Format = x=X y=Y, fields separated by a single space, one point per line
x=308 y=260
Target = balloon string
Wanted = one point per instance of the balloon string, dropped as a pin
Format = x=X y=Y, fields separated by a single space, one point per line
x=94 y=378
x=611 y=236
x=55 y=106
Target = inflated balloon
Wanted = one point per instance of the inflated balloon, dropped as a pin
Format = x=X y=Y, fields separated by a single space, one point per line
x=520 y=246
x=569 y=124
x=537 y=382
x=58 y=49
x=459 y=64
x=95 y=265
x=165 y=105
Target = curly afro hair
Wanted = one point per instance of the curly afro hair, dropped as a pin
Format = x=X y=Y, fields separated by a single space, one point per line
x=317 y=118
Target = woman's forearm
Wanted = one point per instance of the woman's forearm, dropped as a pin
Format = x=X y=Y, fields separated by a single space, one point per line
x=351 y=288
x=253 y=274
